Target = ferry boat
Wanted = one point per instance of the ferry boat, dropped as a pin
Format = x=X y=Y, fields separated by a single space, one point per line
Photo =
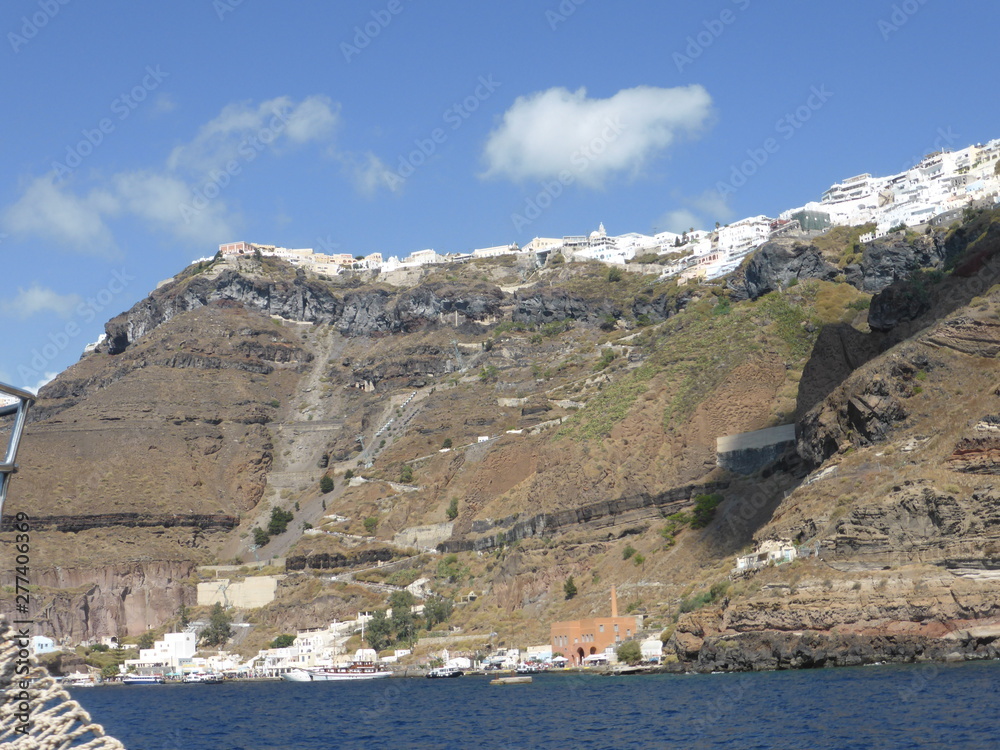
x=356 y=670
x=205 y=678
x=142 y=679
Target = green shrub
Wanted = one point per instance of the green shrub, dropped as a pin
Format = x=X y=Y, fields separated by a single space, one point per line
x=371 y=523
x=630 y=652
x=283 y=641
x=704 y=509
x=628 y=552
x=569 y=588
x=452 y=511
x=326 y=484
x=406 y=474
x=279 y=521
x=260 y=537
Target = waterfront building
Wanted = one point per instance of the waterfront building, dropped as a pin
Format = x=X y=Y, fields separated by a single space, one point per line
x=578 y=639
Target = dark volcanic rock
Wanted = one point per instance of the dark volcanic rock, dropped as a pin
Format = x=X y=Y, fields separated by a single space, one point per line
x=883 y=262
x=358 y=313
x=545 y=305
x=893 y=257
x=777 y=262
x=898 y=303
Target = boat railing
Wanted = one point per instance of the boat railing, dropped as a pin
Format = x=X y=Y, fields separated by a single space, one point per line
x=16 y=403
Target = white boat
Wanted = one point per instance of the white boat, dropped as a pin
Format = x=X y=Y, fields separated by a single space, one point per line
x=204 y=678
x=142 y=679
x=357 y=670
x=79 y=679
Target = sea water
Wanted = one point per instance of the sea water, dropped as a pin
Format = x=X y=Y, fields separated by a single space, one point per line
x=892 y=707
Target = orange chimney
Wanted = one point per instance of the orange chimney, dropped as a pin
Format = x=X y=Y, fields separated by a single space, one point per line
x=614 y=602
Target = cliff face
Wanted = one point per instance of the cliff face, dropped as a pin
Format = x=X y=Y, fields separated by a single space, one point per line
x=885 y=261
x=549 y=422
x=353 y=313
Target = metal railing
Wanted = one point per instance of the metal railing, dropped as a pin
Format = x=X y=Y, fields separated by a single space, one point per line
x=19 y=409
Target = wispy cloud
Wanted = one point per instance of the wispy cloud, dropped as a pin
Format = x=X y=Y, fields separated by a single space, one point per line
x=47 y=210
x=559 y=131
x=220 y=140
x=78 y=218
x=701 y=212
x=370 y=174
x=38 y=299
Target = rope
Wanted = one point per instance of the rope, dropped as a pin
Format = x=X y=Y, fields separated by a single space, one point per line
x=55 y=721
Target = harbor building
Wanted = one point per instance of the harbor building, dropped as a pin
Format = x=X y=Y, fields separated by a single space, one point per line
x=578 y=639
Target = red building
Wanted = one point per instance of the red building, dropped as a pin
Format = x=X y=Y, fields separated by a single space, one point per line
x=578 y=639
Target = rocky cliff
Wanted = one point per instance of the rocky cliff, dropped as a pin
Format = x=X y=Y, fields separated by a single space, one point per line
x=551 y=422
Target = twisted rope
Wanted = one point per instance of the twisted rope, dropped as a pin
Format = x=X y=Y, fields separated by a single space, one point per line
x=57 y=722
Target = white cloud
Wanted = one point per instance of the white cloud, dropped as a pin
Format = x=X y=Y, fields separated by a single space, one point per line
x=37 y=299
x=678 y=221
x=315 y=118
x=370 y=174
x=704 y=210
x=163 y=104
x=713 y=205
x=168 y=202
x=49 y=211
x=241 y=126
x=186 y=198
x=559 y=130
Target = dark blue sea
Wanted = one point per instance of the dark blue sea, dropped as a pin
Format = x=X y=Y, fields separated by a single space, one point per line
x=928 y=706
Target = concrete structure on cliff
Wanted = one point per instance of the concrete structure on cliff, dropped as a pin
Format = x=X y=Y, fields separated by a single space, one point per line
x=578 y=639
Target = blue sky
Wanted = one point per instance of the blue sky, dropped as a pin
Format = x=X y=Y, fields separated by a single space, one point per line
x=138 y=136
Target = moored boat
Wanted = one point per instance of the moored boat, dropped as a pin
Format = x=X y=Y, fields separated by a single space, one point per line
x=142 y=679
x=443 y=672
x=205 y=678
x=357 y=670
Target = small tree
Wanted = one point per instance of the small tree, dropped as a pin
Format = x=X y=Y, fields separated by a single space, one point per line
x=437 y=609
x=326 y=484
x=219 y=627
x=183 y=616
x=146 y=640
x=447 y=443
x=569 y=588
x=614 y=273
x=283 y=641
x=260 y=537
x=452 y=511
x=378 y=631
x=402 y=618
x=279 y=521
x=371 y=523
x=704 y=509
x=348 y=475
x=630 y=652
x=406 y=474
